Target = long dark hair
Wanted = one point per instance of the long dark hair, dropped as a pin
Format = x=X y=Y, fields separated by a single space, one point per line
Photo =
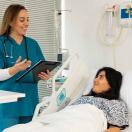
x=114 y=79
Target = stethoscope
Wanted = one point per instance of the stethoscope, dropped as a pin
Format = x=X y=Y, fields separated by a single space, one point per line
x=6 y=54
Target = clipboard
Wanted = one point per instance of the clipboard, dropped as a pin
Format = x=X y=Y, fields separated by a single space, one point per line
x=41 y=66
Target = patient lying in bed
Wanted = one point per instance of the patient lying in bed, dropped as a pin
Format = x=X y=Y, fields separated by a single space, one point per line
x=90 y=112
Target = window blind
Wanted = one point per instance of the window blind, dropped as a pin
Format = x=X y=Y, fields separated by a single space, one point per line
x=42 y=28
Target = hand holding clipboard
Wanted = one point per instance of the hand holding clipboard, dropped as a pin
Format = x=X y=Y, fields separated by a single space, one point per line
x=40 y=68
x=44 y=76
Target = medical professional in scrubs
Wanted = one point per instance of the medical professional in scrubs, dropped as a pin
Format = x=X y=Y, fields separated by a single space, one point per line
x=15 y=46
x=19 y=66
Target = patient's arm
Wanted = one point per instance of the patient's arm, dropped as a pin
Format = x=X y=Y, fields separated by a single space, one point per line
x=113 y=129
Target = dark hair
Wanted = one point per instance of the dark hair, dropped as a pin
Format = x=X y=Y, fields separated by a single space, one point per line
x=114 y=79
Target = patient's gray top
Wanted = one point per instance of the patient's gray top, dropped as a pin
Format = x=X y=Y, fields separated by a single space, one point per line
x=115 y=110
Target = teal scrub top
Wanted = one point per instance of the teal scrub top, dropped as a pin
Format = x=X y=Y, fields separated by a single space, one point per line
x=24 y=106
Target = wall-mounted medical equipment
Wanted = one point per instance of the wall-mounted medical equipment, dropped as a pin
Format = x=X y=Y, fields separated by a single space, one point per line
x=110 y=16
x=109 y=29
x=116 y=19
x=126 y=14
x=62 y=55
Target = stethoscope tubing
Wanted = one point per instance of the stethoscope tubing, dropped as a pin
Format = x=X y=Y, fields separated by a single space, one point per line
x=11 y=54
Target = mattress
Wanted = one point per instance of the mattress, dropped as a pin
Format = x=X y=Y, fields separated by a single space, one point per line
x=129 y=129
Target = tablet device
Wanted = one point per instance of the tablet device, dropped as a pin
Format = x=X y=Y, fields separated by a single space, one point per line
x=41 y=66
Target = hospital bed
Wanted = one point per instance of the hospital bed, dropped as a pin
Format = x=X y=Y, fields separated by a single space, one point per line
x=76 y=118
x=71 y=89
x=74 y=86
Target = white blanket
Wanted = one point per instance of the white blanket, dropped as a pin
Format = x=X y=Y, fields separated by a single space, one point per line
x=75 y=118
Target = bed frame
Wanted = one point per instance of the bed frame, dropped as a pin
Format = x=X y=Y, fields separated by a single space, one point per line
x=71 y=89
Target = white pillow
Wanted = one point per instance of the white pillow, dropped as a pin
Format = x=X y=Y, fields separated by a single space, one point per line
x=90 y=82
x=126 y=90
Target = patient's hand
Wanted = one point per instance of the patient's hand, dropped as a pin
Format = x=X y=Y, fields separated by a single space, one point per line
x=113 y=129
x=45 y=76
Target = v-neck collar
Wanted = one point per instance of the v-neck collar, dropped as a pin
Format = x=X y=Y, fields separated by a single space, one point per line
x=14 y=41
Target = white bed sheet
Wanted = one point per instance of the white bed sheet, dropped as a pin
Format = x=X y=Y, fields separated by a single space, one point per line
x=129 y=129
x=75 y=118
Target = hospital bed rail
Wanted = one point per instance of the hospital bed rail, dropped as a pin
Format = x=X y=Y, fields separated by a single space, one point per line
x=72 y=87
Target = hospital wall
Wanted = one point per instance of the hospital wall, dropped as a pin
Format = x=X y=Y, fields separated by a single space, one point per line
x=80 y=35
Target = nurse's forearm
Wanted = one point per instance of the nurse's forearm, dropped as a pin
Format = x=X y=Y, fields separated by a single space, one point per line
x=4 y=74
x=19 y=66
x=13 y=70
x=8 y=73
